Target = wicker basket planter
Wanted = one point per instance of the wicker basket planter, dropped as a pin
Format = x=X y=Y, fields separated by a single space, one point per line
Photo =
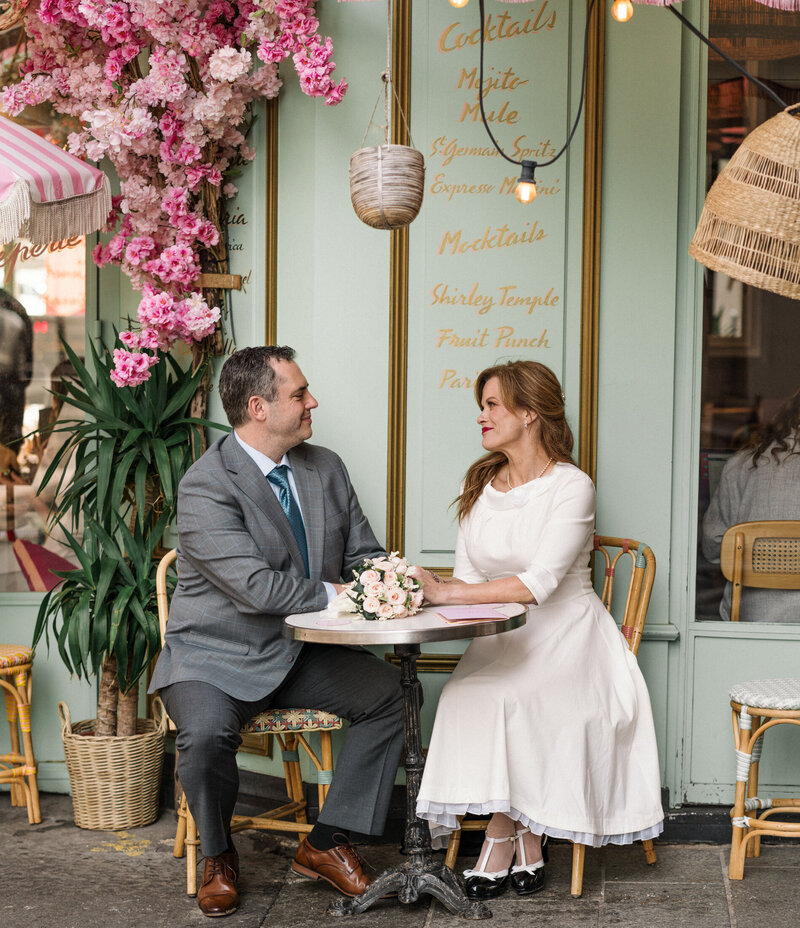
x=114 y=781
x=386 y=185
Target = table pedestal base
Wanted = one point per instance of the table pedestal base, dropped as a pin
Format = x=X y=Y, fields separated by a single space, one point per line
x=411 y=881
x=421 y=873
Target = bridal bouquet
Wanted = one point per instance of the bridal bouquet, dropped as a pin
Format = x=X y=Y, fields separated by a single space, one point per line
x=382 y=589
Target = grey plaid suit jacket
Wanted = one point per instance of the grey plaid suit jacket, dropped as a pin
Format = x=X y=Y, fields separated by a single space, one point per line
x=240 y=571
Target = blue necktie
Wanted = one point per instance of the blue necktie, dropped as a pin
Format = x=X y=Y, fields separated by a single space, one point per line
x=278 y=478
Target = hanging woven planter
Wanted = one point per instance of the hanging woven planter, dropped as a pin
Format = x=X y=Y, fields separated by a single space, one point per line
x=386 y=185
x=387 y=182
x=750 y=224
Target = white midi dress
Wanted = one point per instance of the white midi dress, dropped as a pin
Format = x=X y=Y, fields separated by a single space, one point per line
x=550 y=723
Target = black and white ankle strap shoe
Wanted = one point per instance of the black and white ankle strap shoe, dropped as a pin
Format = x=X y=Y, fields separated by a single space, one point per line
x=481 y=884
x=527 y=879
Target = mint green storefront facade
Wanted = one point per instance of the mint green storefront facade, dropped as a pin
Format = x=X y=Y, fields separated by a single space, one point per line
x=592 y=279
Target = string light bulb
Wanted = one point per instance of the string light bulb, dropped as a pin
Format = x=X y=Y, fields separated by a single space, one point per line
x=458 y=3
x=525 y=191
x=621 y=10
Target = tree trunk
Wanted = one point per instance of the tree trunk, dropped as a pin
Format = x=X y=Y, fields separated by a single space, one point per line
x=128 y=711
x=107 y=698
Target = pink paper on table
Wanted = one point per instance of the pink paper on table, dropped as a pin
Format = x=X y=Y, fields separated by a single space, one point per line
x=470 y=613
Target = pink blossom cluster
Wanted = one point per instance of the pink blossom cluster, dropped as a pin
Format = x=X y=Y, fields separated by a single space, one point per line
x=382 y=589
x=163 y=89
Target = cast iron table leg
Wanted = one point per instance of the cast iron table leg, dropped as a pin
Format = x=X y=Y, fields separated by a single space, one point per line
x=420 y=873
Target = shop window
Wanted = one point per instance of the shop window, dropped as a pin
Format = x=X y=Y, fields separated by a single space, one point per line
x=42 y=301
x=751 y=337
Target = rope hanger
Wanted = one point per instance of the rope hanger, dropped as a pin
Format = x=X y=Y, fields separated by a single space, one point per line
x=386 y=77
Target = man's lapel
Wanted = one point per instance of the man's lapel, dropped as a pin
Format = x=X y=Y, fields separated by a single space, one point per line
x=312 y=502
x=246 y=475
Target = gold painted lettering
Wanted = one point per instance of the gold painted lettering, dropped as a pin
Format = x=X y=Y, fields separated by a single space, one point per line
x=497 y=28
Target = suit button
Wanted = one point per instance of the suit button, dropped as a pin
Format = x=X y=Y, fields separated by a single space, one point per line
x=291 y=659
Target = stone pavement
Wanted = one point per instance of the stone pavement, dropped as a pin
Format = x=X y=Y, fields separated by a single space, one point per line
x=55 y=875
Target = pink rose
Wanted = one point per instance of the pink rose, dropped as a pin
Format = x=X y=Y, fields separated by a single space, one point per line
x=399 y=610
x=369 y=576
x=385 y=611
x=371 y=604
x=376 y=589
x=396 y=596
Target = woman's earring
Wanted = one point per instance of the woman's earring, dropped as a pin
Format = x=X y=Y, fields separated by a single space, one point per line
x=527 y=423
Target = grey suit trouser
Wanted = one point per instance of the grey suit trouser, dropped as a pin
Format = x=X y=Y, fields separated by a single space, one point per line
x=354 y=684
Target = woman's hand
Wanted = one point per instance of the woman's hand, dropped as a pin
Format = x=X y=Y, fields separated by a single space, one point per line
x=436 y=589
x=439 y=591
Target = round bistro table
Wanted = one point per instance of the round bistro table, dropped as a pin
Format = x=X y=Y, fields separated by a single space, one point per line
x=421 y=872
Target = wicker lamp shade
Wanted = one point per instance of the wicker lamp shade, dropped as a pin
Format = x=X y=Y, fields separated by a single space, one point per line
x=749 y=228
x=386 y=185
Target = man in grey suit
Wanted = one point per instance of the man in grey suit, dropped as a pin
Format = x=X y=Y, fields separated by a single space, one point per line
x=269 y=525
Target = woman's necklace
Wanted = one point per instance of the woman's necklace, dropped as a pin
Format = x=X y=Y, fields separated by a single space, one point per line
x=540 y=474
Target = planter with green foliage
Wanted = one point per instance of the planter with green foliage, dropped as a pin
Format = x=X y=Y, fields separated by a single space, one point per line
x=129 y=452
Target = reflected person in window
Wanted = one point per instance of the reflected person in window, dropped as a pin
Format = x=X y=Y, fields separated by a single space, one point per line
x=760 y=482
x=16 y=366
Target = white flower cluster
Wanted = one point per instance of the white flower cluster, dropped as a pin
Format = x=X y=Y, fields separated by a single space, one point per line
x=382 y=589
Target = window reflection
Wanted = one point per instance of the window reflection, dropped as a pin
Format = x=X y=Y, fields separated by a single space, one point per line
x=751 y=337
x=42 y=300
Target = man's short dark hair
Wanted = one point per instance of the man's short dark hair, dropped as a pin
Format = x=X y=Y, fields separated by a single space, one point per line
x=249 y=372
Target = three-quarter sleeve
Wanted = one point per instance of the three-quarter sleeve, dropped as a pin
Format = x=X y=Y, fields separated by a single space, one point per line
x=565 y=535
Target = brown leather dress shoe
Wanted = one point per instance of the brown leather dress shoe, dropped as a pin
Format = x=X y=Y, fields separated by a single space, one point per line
x=217 y=894
x=342 y=866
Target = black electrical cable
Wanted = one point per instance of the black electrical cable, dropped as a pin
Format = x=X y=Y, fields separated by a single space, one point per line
x=580 y=105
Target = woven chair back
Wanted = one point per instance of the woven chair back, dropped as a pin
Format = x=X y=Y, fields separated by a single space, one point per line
x=761 y=554
x=161 y=590
x=609 y=551
x=162 y=598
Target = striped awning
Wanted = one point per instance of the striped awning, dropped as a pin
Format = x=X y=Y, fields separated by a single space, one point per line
x=46 y=194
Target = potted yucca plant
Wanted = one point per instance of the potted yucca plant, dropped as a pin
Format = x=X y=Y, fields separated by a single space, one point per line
x=128 y=454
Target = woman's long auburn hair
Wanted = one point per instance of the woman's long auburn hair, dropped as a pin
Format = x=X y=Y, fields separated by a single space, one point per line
x=780 y=430
x=523 y=385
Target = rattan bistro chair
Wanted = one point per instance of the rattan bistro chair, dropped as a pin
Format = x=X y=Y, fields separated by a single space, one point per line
x=18 y=768
x=290 y=728
x=640 y=586
x=765 y=555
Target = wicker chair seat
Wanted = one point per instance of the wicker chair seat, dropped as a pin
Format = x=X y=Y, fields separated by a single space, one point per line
x=768 y=694
x=14 y=655
x=276 y=720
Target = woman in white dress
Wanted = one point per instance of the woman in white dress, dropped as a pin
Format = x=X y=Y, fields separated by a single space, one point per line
x=548 y=728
